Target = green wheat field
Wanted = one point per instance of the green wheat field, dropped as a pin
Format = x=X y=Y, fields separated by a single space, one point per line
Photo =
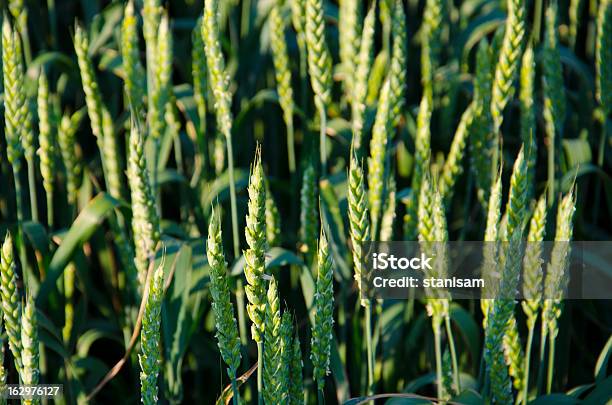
x=187 y=187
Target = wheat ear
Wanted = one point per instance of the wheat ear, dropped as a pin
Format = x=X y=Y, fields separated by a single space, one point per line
x=272 y=347
x=11 y=301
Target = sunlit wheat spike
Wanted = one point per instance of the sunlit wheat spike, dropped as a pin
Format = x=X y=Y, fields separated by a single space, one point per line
x=130 y=54
x=453 y=166
x=552 y=81
x=145 y=222
x=160 y=91
x=3 y=370
x=254 y=256
x=360 y=88
x=322 y=328
x=532 y=263
x=557 y=278
x=225 y=321
x=483 y=141
x=14 y=97
x=296 y=390
x=359 y=218
x=199 y=71
x=219 y=79
x=603 y=55
x=150 y=350
x=29 y=338
x=397 y=69
x=151 y=16
x=528 y=119
x=66 y=135
x=509 y=60
x=378 y=155
x=11 y=301
x=319 y=58
x=574 y=21
x=309 y=217
x=349 y=28
x=46 y=138
x=272 y=347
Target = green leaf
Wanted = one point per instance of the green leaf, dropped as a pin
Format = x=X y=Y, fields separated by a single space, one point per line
x=554 y=399
x=601 y=368
x=81 y=230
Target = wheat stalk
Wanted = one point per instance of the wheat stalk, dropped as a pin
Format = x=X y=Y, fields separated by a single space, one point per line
x=323 y=314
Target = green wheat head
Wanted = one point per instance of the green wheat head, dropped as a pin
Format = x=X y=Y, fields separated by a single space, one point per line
x=378 y=155
x=556 y=279
x=528 y=119
x=218 y=77
x=349 y=28
x=46 y=134
x=515 y=358
x=90 y=84
x=11 y=301
x=273 y=220
x=110 y=151
x=603 y=55
x=134 y=72
x=362 y=72
x=552 y=82
x=491 y=277
x=388 y=217
x=453 y=166
x=286 y=344
x=280 y=59
x=14 y=98
x=199 y=71
x=431 y=43
x=516 y=209
x=272 y=369
x=161 y=92
x=66 y=135
x=397 y=69
x=322 y=328
x=29 y=339
x=422 y=143
x=225 y=321
x=145 y=221
x=509 y=60
x=150 y=351
x=309 y=217
x=483 y=141
x=319 y=58
x=254 y=256
x=358 y=213
x=296 y=390
x=532 y=263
